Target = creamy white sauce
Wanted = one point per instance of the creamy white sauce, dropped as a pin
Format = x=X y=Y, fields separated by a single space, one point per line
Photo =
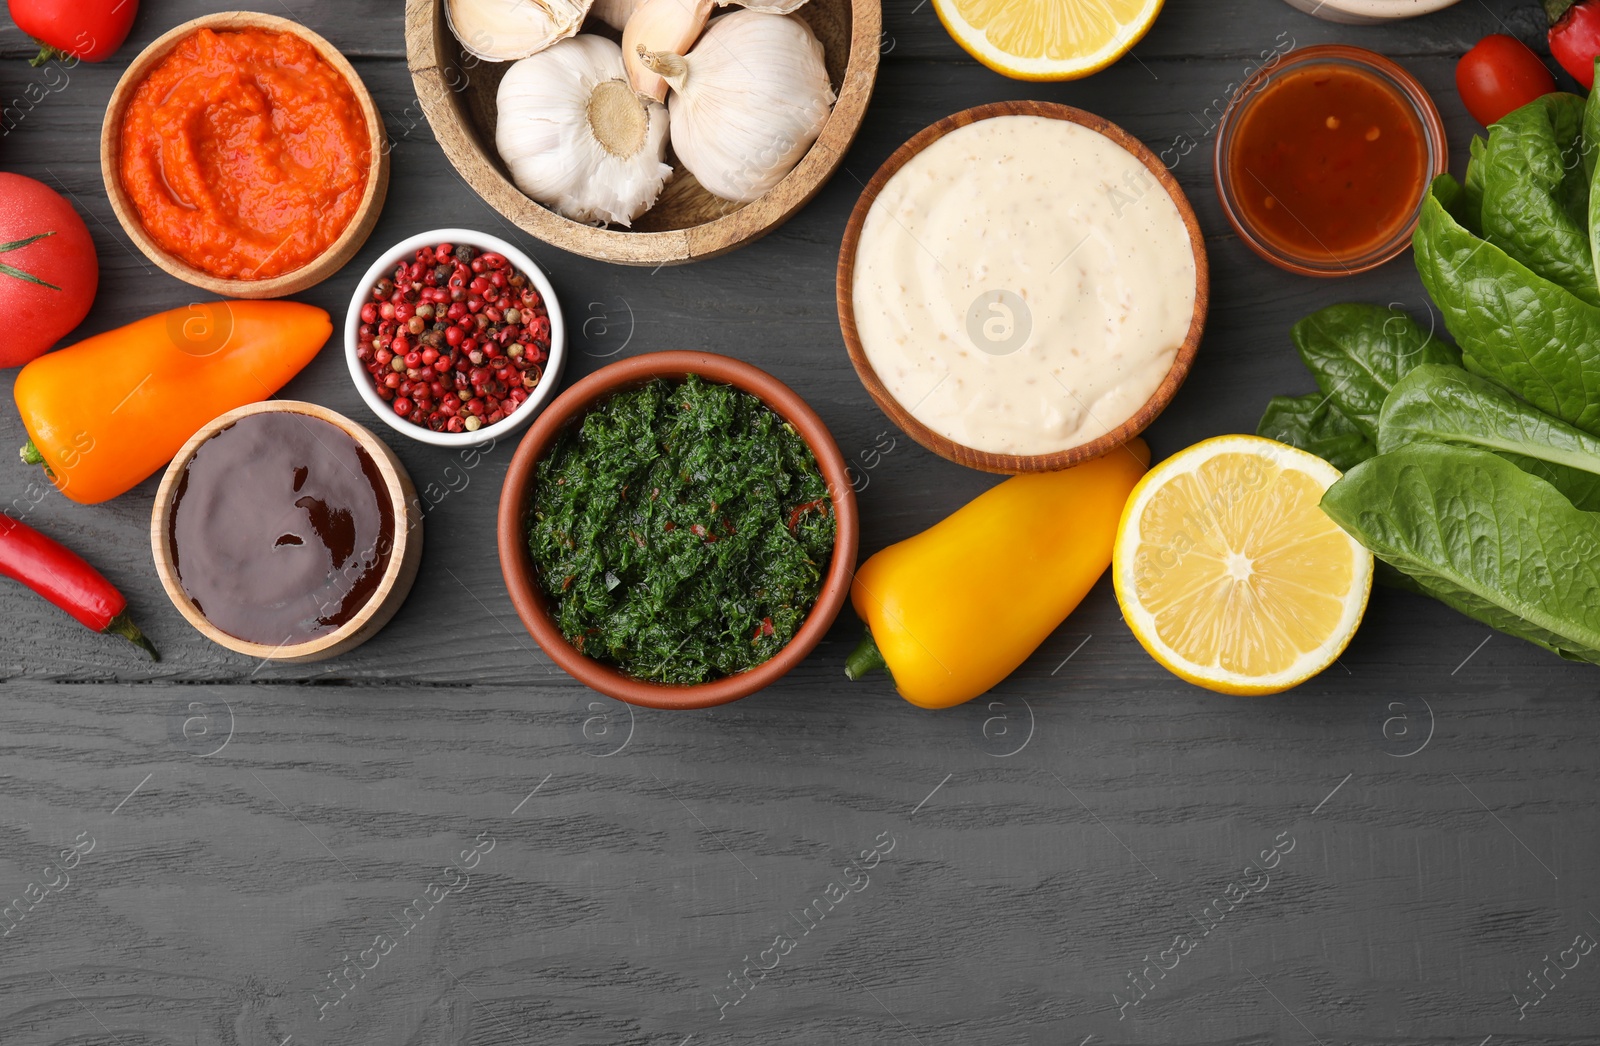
x=1023 y=285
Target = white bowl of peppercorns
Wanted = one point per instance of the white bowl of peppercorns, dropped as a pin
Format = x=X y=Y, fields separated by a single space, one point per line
x=455 y=338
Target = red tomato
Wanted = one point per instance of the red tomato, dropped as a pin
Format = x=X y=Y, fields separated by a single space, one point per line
x=1498 y=75
x=89 y=30
x=48 y=269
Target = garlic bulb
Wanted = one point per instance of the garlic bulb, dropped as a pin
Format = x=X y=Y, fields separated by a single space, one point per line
x=615 y=13
x=660 y=25
x=506 y=30
x=747 y=102
x=576 y=138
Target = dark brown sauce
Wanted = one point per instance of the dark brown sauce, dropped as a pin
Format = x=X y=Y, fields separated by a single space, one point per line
x=281 y=528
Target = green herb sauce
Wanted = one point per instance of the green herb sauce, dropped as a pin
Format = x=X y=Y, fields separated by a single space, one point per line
x=681 y=531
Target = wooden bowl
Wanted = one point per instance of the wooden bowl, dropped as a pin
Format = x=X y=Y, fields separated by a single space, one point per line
x=458 y=95
x=404 y=558
x=1013 y=463
x=516 y=561
x=314 y=272
x=1369 y=12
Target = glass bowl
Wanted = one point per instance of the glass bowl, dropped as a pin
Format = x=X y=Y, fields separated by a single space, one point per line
x=1377 y=69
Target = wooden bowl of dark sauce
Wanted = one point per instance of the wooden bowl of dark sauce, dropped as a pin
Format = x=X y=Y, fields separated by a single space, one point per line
x=286 y=532
x=1323 y=160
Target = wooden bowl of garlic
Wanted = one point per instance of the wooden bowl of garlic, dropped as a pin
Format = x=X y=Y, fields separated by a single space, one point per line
x=645 y=132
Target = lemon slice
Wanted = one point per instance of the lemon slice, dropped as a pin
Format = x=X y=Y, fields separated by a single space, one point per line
x=1229 y=572
x=1047 y=39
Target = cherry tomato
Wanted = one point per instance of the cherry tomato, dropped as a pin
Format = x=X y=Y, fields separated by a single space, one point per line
x=89 y=30
x=49 y=271
x=1498 y=75
x=1575 y=38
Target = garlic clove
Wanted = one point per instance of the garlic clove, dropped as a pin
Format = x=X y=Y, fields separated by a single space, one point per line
x=507 y=30
x=660 y=26
x=615 y=13
x=748 y=100
x=770 y=7
x=576 y=137
x=672 y=68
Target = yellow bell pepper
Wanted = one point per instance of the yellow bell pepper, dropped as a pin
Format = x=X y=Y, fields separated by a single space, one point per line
x=958 y=608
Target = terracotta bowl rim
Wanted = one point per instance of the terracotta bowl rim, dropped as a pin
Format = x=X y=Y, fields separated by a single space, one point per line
x=313 y=272
x=517 y=568
x=400 y=501
x=992 y=461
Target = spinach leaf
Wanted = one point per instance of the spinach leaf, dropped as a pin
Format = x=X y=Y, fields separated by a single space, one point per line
x=1482 y=536
x=1357 y=352
x=1449 y=405
x=1313 y=424
x=1535 y=192
x=1514 y=327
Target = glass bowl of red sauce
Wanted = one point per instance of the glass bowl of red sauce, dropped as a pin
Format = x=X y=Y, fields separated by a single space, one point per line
x=1323 y=160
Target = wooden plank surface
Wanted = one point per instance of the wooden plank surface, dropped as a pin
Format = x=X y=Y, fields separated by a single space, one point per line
x=259 y=829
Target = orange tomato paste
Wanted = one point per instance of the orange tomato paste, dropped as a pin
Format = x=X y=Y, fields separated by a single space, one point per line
x=245 y=153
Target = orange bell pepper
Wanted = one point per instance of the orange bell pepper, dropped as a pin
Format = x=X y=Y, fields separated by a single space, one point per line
x=105 y=414
x=953 y=611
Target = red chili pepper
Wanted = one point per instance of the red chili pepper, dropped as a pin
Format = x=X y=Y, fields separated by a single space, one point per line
x=61 y=576
x=1575 y=36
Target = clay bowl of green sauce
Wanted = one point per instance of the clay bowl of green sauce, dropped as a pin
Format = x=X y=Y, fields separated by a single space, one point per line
x=678 y=530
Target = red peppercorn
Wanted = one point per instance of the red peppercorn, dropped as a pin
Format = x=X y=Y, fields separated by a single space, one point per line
x=449 y=334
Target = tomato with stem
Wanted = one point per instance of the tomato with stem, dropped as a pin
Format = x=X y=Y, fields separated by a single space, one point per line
x=49 y=270
x=88 y=30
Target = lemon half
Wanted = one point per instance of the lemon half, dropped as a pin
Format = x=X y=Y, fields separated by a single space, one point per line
x=1047 y=39
x=1229 y=572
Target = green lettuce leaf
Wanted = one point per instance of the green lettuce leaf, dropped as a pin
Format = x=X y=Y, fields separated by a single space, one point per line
x=1469 y=205
x=1313 y=424
x=1535 y=192
x=1514 y=327
x=1357 y=352
x=1591 y=170
x=1449 y=405
x=1482 y=536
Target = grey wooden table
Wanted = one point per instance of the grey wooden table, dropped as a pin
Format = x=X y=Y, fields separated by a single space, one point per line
x=441 y=840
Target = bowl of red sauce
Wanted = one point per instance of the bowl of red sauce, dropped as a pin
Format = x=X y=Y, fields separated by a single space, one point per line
x=243 y=155
x=1323 y=160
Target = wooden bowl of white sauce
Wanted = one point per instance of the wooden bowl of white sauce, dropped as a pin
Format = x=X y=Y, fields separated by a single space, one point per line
x=1022 y=287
